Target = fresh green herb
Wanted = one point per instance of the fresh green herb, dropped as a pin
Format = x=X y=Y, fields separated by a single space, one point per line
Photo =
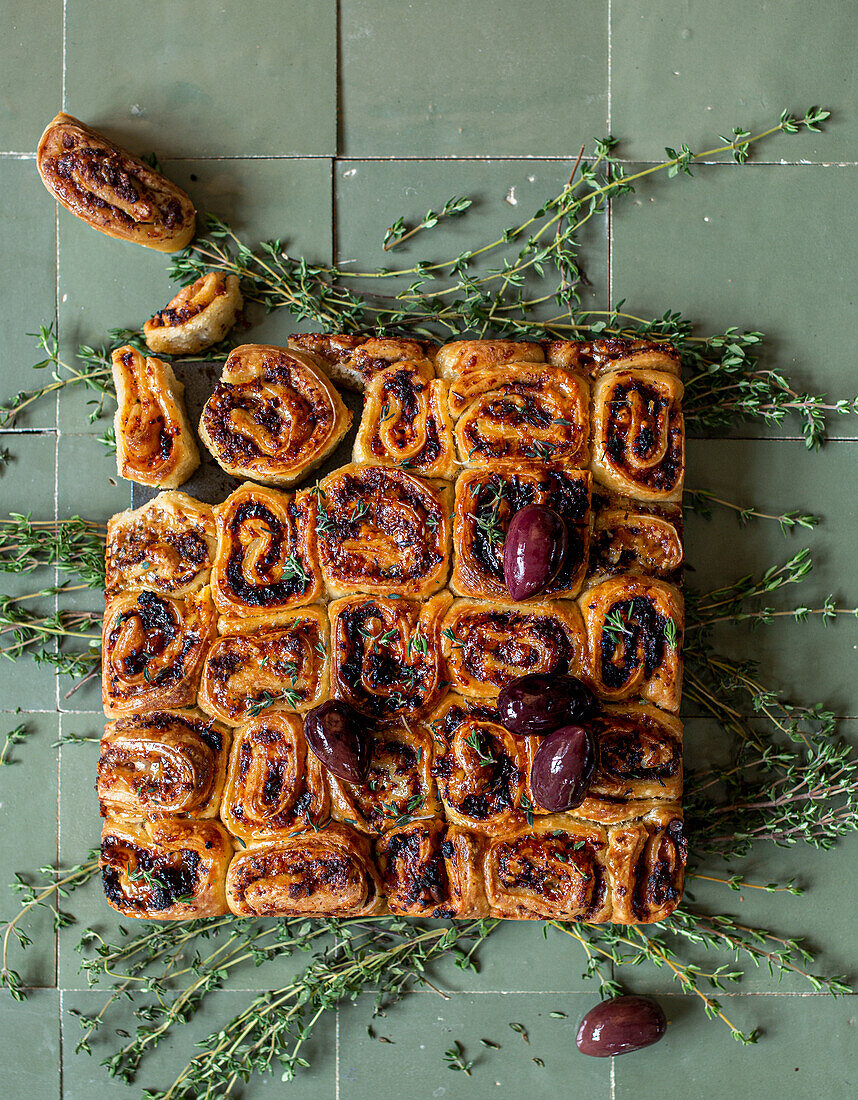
x=397 y=233
x=521 y=1030
x=17 y=736
x=455 y=1059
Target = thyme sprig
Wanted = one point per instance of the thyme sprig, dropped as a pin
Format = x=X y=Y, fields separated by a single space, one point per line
x=75 y=545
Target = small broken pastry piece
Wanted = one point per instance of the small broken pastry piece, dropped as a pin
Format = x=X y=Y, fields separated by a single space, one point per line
x=631 y=537
x=165 y=870
x=352 y=361
x=110 y=189
x=431 y=869
x=595 y=357
x=646 y=860
x=197 y=317
x=167 y=546
x=274 y=415
x=154 y=441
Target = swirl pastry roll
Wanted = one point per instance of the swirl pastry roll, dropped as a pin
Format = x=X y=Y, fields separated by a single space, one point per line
x=152 y=650
x=165 y=870
x=646 y=859
x=487 y=645
x=634 y=635
x=154 y=442
x=399 y=784
x=164 y=763
x=486 y=501
x=111 y=190
x=275 y=785
x=640 y=756
x=639 y=435
x=405 y=421
x=554 y=869
x=462 y=358
x=383 y=530
x=595 y=357
x=430 y=869
x=274 y=415
x=266 y=559
x=352 y=361
x=280 y=664
x=630 y=538
x=167 y=546
x=329 y=873
x=197 y=317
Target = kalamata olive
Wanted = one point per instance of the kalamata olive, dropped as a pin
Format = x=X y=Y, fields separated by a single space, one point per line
x=333 y=733
x=621 y=1025
x=542 y=702
x=562 y=768
x=533 y=550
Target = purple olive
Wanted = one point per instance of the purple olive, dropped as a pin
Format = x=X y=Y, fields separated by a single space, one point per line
x=333 y=733
x=621 y=1025
x=562 y=768
x=533 y=550
x=541 y=702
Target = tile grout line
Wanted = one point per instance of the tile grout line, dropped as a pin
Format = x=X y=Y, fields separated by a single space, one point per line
x=65 y=42
x=337 y=1053
x=609 y=213
x=613 y=1078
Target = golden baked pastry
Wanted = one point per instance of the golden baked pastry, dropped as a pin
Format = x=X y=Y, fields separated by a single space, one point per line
x=152 y=650
x=646 y=859
x=274 y=415
x=353 y=360
x=266 y=559
x=275 y=785
x=629 y=537
x=165 y=870
x=198 y=316
x=111 y=190
x=386 y=655
x=271 y=664
x=486 y=501
x=487 y=645
x=324 y=873
x=383 y=530
x=462 y=358
x=154 y=442
x=406 y=422
x=430 y=869
x=167 y=546
x=639 y=755
x=594 y=357
x=164 y=763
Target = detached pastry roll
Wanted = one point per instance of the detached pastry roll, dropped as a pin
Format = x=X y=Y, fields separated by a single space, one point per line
x=165 y=870
x=639 y=757
x=266 y=559
x=152 y=650
x=639 y=434
x=383 y=530
x=275 y=784
x=399 y=784
x=486 y=501
x=197 y=317
x=636 y=539
x=634 y=632
x=161 y=764
x=154 y=442
x=431 y=869
x=405 y=421
x=274 y=416
x=167 y=546
x=487 y=645
x=352 y=361
x=111 y=190
x=386 y=655
x=329 y=873
x=280 y=663
x=462 y=358
x=647 y=861
x=594 y=357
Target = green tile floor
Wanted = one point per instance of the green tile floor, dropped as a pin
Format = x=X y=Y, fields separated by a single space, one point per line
x=320 y=121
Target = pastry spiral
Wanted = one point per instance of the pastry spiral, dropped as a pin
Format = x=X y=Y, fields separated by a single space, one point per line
x=486 y=501
x=386 y=655
x=487 y=645
x=639 y=755
x=167 y=546
x=329 y=873
x=165 y=870
x=160 y=764
x=275 y=785
x=405 y=421
x=353 y=361
x=274 y=415
x=463 y=358
x=266 y=559
x=430 y=869
x=254 y=668
x=383 y=530
x=639 y=435
x=152 y=650
x=154 y=442
x=634 y=539
x=399 y=783
x=595 y=357
x=111 y=190
x=634 y=636
x=647 y=861
x=197 y=317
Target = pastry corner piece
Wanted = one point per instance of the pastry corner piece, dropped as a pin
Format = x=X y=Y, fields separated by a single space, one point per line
x=200 y=315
